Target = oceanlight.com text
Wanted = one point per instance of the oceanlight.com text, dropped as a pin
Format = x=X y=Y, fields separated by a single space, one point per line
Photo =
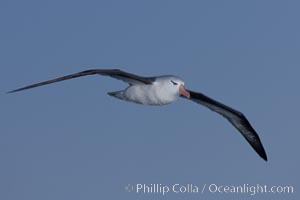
x=242 y=189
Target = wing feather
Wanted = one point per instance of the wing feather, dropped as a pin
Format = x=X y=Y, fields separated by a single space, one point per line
x=115 y=73
x=236 y=118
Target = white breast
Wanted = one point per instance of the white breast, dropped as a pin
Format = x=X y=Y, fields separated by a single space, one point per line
x=154 y=94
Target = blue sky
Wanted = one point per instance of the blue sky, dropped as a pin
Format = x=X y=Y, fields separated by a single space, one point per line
x=72 y=141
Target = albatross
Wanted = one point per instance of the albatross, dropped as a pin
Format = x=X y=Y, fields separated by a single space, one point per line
x=162 y=90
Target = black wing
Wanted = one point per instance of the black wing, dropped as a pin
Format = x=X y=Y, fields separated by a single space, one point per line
x=115 y=73
x=236 y=118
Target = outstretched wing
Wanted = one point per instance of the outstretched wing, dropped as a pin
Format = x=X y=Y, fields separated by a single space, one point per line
x=236 y=118
x=115 y=73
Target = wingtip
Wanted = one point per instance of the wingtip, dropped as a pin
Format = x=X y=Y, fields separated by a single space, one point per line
x=9 y=92
x=263 y=155
x=12 y=91
x=259 y=149
x=265 y=158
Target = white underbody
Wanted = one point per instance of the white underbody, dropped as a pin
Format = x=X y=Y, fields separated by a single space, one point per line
x=151 y=94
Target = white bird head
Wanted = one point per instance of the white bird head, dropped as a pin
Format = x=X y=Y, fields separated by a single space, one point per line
x=174 y=85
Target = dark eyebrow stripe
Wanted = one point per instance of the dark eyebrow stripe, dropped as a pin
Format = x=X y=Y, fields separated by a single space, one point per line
x=174 y=82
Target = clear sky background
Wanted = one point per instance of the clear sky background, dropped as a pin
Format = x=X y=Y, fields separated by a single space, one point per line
x=71 y=141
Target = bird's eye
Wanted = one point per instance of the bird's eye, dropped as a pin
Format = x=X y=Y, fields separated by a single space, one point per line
x=174 y=83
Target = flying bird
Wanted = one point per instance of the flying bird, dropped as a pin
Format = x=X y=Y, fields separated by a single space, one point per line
x=162 y=90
